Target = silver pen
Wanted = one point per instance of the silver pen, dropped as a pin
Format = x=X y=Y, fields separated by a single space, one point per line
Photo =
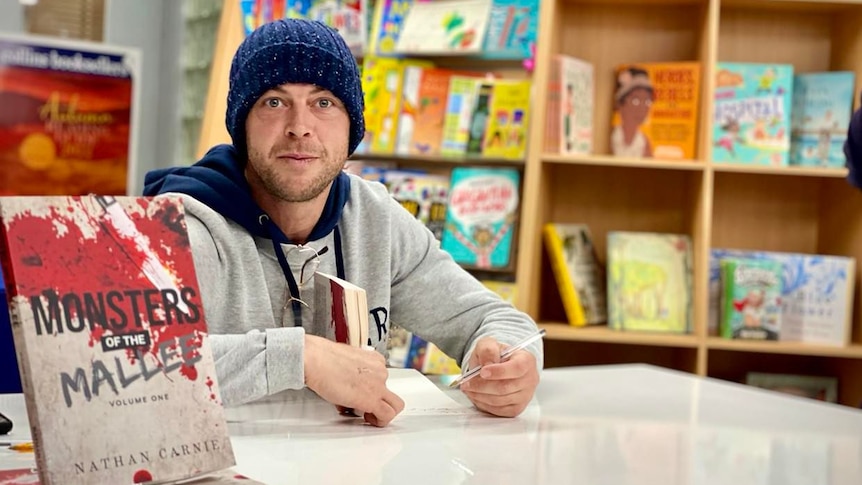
x=503 y=357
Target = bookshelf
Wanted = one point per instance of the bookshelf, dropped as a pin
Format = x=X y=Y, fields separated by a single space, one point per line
x=781 y=209
x=718 y=205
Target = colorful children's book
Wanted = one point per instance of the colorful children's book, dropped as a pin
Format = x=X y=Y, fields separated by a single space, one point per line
x=822 y=105
x=479 y=118
x=750 y=299
x=110 y=333
x=820 y=388
x=508 y=123
x=348 y=17
x=656 y=109
x=649 y=282
x=444 y=27
x=751 y=120
x=387 y=25
x=816 y=294
x=480 y=219
x=423 y=195
x=580 y=279
x=459 y=115
x=512 y=30
x=569 y=123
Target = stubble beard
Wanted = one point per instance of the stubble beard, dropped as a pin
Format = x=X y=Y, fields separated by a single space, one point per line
x=277 y=183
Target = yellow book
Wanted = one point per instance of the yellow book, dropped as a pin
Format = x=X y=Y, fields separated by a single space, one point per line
x=577 y=273
x=382 y=83
x=506 y=132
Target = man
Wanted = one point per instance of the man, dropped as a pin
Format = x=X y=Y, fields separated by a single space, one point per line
x=266 y=211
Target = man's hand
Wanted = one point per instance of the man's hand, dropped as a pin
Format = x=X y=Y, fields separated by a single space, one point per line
x=501 y=388
x=350 y=377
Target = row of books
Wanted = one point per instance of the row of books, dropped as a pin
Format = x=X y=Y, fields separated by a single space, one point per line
x=414 y=108
x=764 y=114
x=471 y=210
x=647 y=286
x=503 y=29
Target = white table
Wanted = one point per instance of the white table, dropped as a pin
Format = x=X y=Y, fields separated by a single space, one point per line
x=615 y=425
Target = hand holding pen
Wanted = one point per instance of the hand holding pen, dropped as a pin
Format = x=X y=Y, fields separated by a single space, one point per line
x=504 y=356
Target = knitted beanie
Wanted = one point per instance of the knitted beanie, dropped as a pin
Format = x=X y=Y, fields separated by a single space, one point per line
x=293 y=51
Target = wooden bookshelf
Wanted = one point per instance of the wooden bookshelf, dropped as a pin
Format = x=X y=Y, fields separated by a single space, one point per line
x=790 y=209
x=717 y=205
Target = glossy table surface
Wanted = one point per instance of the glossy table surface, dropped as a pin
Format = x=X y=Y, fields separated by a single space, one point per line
x=627 y=424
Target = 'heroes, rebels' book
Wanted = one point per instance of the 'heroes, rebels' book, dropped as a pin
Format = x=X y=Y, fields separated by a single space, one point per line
x=108 y=324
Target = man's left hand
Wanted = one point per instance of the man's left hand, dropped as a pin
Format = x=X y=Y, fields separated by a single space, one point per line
x=501 y=388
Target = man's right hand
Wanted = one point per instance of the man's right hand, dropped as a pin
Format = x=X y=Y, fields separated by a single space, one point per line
x=351 y=377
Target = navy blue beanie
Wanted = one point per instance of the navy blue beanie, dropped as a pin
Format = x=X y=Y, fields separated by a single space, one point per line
x=293 y=51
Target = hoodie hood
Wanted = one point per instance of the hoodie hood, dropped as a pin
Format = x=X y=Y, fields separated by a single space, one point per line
x=218 y=181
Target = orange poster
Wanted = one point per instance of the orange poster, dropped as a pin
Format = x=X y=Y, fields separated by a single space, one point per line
x=66 y=118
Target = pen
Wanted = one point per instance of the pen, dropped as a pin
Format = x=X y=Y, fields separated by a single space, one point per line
x=503 y=357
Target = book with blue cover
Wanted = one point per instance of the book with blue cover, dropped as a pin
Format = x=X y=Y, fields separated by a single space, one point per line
x=751 y=121
x=511 y=30
x=822 y=105
x=480 y=218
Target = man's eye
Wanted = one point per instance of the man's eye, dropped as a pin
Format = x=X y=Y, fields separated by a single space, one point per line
x=324 y=103
x=273 y=102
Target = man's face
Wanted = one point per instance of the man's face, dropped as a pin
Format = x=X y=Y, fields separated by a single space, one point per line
x=297 y=137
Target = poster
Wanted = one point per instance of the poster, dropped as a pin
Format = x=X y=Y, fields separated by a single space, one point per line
x=67 y=117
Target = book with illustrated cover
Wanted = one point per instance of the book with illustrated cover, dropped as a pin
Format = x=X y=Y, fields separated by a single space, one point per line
x=387 y=24
x=512 y=28
x=656 y=110
x=348 y=17
x=822 y=105
x=649 y=282
x=820 y=388
x=423 y=195
x=444 y=27
x=816 y=294
x=751 y=118
x=569 y=120
x=508 y=121
x=483 y=205
x=458 y=120
x=342 y=308
x=580 y=279
x=68 y=117
x=111 y=337
x=750 y=299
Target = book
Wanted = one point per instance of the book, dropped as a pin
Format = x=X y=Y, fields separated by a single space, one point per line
x=508 y=120
x=569 y=120
x=649 y=282
x=68 y=125
x=387 y=25
x=751 y=118
x=341 y=307
x=483 y=204
x=511 y=31
x=814 y=387
x=579 y=277
x=656 y=110
x=444 y=27
x=30 y=476
x=348 y=17
x=423 y=195
x=110 y=332
x=458 y=120
x=816 y=294
x=751 y=299
x=822 y=105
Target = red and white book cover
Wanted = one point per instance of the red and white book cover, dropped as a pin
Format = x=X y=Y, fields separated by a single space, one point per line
x=108 y=324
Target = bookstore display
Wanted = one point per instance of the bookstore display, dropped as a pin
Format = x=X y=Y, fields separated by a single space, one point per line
x=708 y=130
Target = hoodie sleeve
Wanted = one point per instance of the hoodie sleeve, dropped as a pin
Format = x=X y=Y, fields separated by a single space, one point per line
x=253 y=356
x=441 y=302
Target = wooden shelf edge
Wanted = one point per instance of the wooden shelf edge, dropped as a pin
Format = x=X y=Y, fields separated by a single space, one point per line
x=564 y=331
x=442 y=159
x=770 y=170
x=612 y=161
x=791 y=348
